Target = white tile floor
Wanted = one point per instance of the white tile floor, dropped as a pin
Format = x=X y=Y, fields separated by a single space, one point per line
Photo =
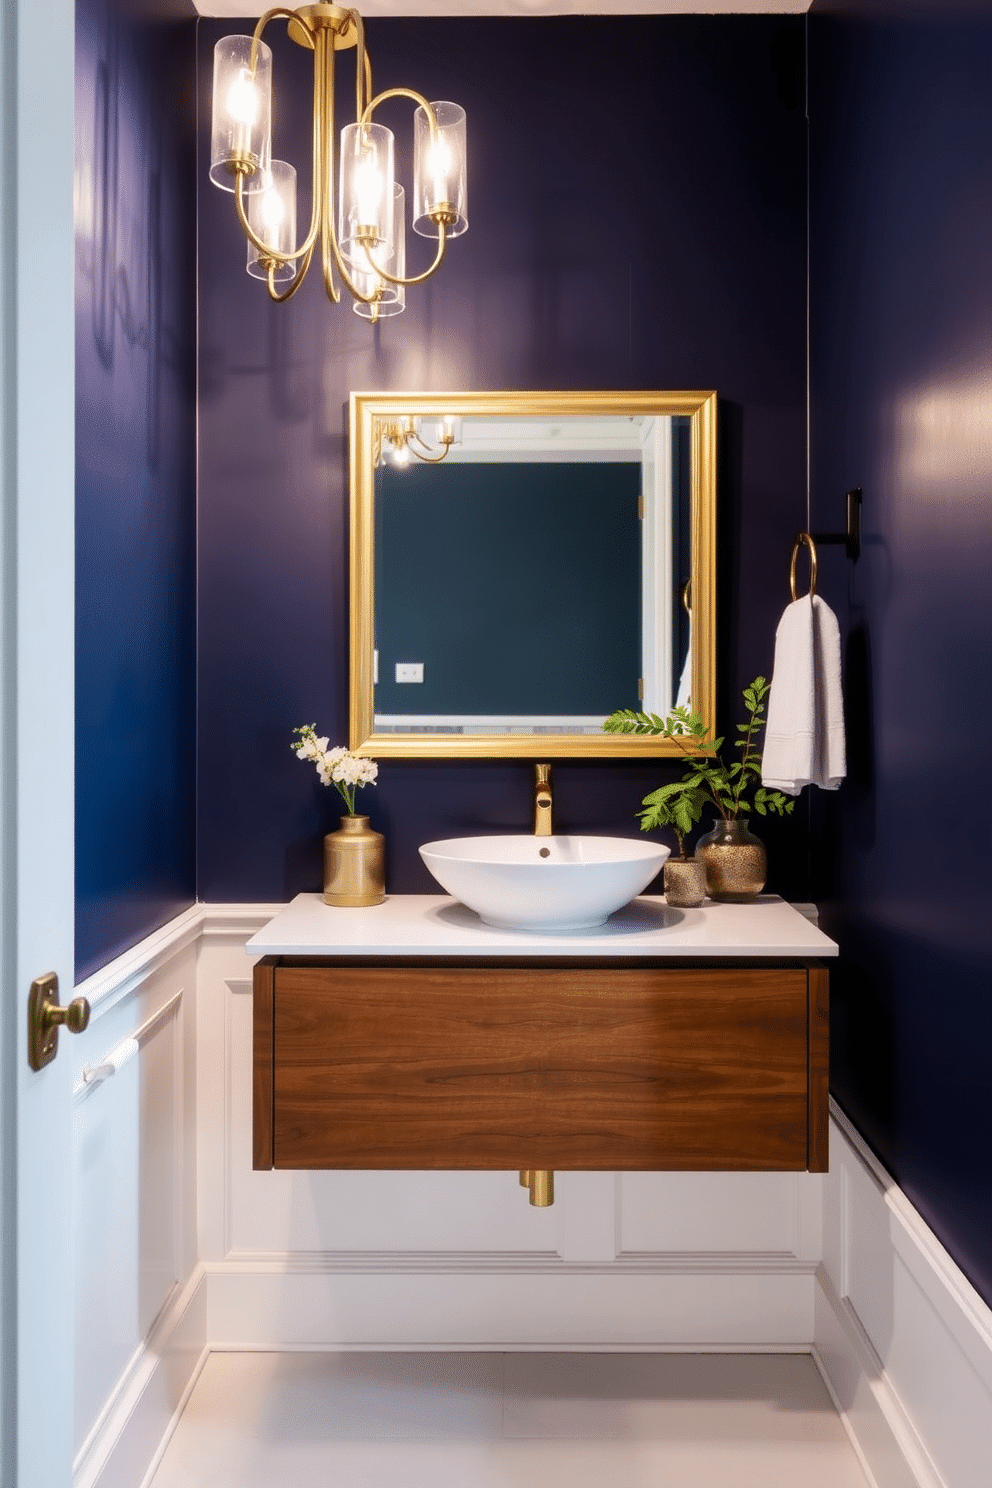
x=425 y=1420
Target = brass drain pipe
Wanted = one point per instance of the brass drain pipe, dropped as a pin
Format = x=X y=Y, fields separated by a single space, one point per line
x=541 y=1182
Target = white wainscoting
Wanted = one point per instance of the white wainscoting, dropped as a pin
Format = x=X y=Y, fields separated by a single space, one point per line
x=181 y=1248
x=140 y=1318
x=902 y=1338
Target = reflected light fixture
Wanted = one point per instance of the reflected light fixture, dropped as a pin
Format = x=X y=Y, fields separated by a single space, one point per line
x=365 y=248
x=408 y=436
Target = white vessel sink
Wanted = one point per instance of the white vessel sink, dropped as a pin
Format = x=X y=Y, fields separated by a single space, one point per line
x=544 y=883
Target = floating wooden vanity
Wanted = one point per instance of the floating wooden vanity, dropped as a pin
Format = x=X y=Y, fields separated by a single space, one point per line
x=410 y=1035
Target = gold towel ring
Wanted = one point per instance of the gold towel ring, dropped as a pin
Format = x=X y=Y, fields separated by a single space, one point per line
x=687 y=597
x=803 y=537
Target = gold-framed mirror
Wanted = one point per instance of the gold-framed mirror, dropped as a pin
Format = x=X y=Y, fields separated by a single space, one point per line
x=532 y=562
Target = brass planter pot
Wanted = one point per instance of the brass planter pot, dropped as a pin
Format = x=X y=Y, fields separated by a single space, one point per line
x=736 y=862
x=354 y=865
x=685 y=882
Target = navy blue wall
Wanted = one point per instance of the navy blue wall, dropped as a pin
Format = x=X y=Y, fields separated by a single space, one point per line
x=637 y=206
x=901 y=369
x=135 y=472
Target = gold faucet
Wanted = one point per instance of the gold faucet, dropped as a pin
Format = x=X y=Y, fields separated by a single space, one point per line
x=542 y=801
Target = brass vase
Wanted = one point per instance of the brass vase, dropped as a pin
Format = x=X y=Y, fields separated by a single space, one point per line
x=736 y=862
x=354 y=865
x=685 y=882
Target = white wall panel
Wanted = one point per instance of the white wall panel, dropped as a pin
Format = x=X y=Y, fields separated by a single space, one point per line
x=106 y=1169
x=711 y=1213
x=904 y=1340
x=132 y=1201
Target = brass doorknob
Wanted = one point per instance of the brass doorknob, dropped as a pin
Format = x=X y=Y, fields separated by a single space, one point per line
x=46 y=1016
x=76 y=1016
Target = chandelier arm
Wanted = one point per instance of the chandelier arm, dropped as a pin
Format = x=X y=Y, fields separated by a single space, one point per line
x=304 y=251
x=403 y=93
x=281 y=296
x=324 y=163
x=316 y=153
x=430 y=459
x=363 y=66
x=368 y=76
x=442 y=241
x=419 y=99
x=271 y=15
x=330 y=250
x=348 y=282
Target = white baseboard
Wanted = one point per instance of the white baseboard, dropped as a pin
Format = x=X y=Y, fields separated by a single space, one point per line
x=877 y=1425
x=292 y=1309
x=140 y=1415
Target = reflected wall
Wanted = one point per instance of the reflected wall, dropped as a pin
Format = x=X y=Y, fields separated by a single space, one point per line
x=518 y=589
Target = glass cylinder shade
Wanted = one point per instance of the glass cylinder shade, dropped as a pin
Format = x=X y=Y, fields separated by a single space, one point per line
x=440 y=171
x=441 y=431
x=272 y=215
x=241 y=131
x=365 y=201
x=391 y=255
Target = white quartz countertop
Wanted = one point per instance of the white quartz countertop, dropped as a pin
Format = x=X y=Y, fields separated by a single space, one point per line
x=435 y=925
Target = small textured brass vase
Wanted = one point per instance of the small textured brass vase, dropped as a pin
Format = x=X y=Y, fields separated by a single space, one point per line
x=354 y=865
x=736 y=862
x=685 y=882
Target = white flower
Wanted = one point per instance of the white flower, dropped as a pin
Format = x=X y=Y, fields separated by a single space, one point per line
x=354 y=771
x=337 y=766
x=311 y=748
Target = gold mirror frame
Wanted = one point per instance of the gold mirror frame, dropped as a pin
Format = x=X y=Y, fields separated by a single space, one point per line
x=369 y=410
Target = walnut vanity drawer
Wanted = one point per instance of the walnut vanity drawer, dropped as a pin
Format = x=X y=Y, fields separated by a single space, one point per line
x=620 y=1067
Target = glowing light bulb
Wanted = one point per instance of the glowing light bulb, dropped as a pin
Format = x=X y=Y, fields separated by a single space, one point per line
x=439 y=165
x=273 y=215
x=242 y=99
x=401 y=455
x=368 y=191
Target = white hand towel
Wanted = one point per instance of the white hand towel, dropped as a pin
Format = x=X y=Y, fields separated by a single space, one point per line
x=804 y=736
x=683 y=698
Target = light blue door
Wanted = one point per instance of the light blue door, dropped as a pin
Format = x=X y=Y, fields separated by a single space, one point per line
x=36 y=726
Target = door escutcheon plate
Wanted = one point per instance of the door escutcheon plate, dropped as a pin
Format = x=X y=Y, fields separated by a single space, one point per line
x=45 y=1016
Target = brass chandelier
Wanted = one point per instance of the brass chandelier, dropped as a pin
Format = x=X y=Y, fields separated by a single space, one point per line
x=365 y=248
x=429 y=441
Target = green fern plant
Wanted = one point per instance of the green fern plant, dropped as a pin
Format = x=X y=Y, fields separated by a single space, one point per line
x=735 y=790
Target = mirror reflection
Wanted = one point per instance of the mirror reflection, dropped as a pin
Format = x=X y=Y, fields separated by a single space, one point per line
x=523 y=565
x=533 y=577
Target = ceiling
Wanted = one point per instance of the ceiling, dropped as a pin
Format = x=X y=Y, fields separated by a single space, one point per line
x=532 y=7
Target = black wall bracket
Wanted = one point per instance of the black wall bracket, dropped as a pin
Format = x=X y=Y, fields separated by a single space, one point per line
x=852 y=537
